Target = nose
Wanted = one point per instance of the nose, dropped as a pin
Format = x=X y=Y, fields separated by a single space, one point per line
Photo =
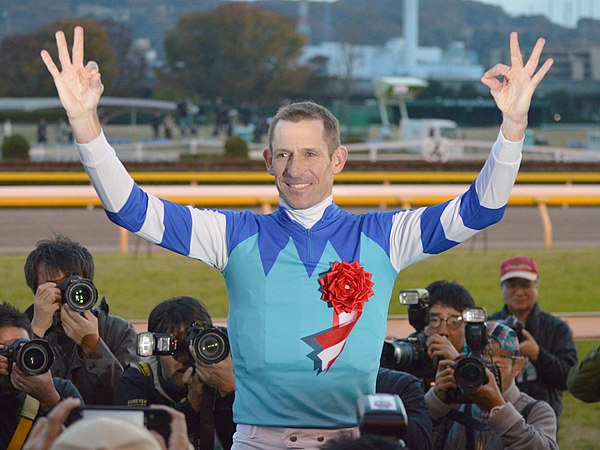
x=293 y=167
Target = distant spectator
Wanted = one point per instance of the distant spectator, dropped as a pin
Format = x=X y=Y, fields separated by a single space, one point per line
x=42 y=131
x=546 y=340
x=156 y=123
x=7 y=128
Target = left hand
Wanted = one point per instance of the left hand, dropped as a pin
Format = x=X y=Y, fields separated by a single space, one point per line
x=513 y=95
x=83 y=330
x=39 y=387
x=529 y=347
x=218 y=376
x=488 y=395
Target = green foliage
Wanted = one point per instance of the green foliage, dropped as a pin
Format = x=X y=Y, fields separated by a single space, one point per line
x=22 y=72
x=15 y=147
x=238 y=52
x=236 y=147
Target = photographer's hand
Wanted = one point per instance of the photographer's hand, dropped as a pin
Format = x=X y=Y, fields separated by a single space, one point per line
x=178 y=439
x=529 y=347
x=3 y=363
x=39 y=387
x=195 y=388
x=488 y=395
x=83 y=330
x=46 y=302
x=47 y=429
x=219 y=376
x=444 y=378
x=439 y=347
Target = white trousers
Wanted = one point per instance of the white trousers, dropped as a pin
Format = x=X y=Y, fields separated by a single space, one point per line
x=250 y=437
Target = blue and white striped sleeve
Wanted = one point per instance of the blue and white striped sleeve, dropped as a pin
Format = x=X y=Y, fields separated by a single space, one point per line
x=418 y=234
x=193 y=232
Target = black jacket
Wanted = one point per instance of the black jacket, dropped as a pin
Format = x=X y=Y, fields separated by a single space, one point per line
x=408 y=388
x=142 y=384
x=96 y=375
x=557 y=355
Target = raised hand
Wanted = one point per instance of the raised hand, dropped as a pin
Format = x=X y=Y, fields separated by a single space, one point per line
x=79 y=87
x=514 y=93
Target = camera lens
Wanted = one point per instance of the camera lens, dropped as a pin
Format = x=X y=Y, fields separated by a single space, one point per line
x=469 y=374
x=211 y=346
x=81 y=295
x=35 y=357
x=397 y=354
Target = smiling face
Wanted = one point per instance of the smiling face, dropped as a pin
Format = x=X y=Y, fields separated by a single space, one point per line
x=302 y=164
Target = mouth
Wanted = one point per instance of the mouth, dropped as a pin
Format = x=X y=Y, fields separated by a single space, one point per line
x=298 y=185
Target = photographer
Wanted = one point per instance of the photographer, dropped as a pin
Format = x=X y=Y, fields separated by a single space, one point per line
x=443 y=335
x=92 y=347
x=584 y=378
x=545 y=340
x=202 y=392
x=23 y=397
x=494 y=415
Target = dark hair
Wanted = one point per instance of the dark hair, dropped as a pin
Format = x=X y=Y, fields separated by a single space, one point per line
x=60 y=253
x=177 y=311
x=297 y=112
x=366 y=442
x=450 y=293
x=10 y=316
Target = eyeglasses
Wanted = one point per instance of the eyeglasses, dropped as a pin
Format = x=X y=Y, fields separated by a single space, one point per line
x=452 y=322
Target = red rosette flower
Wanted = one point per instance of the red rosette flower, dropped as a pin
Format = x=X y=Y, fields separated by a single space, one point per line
x=347 y=286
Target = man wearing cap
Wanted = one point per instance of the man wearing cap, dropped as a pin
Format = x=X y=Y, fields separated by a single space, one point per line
x=493 y=418
x=546 y=341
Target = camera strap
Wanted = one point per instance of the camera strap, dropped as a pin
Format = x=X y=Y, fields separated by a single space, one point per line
x=28 y=413
x=467 y=420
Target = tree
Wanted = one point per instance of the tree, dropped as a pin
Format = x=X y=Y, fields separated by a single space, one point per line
x=22 y=72
x=238 y=52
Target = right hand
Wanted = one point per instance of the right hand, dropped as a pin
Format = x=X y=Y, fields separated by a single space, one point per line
x=47 y=429
x=195 y=388
x=79 y=87
x=46 y=302
x=444 y=378
x=178 y=439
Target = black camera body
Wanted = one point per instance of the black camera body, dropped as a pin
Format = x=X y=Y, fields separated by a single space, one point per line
x=382 y=415
x=470 y=370
x=410 y=354
x=33 y=357
x=517 y=326
x=210 y=343
x=79 y=293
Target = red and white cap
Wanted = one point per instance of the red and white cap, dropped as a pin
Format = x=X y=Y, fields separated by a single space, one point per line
x=519 y=267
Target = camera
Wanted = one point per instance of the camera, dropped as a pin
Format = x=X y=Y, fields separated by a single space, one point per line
x=153 y=419
x=516 y=325
x=79 y=293
x=470 y=371
x=410 y=354
x=382 y=415
x=33 y=357
x=210 y=343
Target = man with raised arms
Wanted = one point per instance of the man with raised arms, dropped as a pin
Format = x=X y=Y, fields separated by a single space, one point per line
x=309 y=285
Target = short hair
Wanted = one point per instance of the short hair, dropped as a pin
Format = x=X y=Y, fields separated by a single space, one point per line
x=297 y=112
x=450 y=293
x=10 y=316
x=175 y=312
x=60 y=253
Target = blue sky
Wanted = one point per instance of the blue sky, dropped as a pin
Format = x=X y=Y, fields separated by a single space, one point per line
x=563 y=12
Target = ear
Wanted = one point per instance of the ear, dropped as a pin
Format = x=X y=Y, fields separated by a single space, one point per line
x=268 y=157
x=338 y=159
x=518 y=366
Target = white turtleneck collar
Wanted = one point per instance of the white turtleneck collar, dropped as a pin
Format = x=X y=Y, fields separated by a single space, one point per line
x=309 y=216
